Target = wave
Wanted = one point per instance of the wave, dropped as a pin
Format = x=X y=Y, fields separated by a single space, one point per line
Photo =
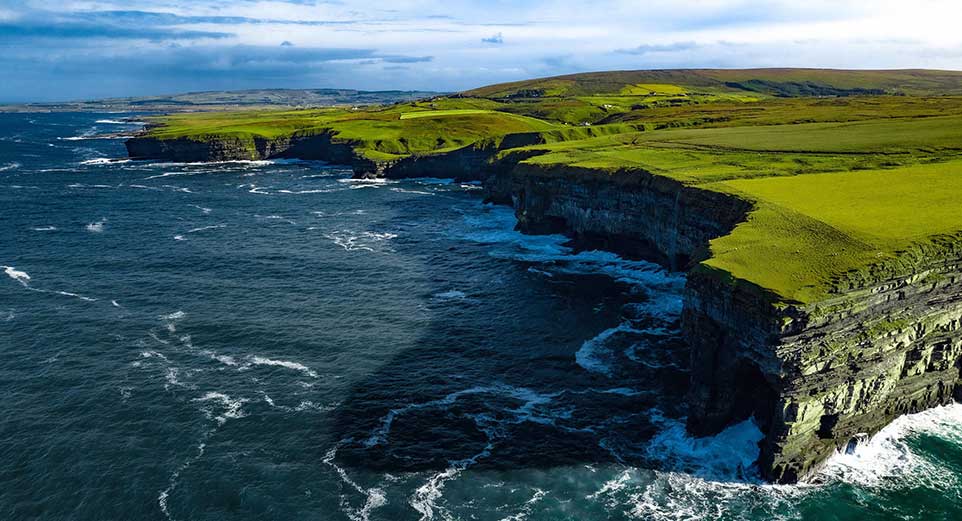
x=119 y=122
x=407 y=191
x=44 y=228
x=202 y=228
x=96 y=227
x=728 y=456
x=10 y=166
x=889 y=460
x=179 y=189
x=231 y=408
x=104 y=161
x=295 y=366
x=177 y=315
x=24 y=279
x=596 y=355
x=20 y=276
x=359 y=241
x=374 y=497
x=276 y=218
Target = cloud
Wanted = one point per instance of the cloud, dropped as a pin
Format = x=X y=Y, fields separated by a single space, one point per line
x=495 y=39
x=662 y=48
x=90 y=48
x=72 y=30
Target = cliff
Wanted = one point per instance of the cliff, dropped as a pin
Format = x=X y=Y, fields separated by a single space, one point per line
x=817 y=376
x=308 y=146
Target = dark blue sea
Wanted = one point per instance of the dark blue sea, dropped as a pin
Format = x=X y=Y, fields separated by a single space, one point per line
x=275 y=340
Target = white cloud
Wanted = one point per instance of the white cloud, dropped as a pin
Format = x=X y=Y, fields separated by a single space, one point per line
x=538 y=37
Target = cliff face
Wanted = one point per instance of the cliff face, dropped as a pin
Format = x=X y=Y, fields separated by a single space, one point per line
x=320 y=147
x=817 y=378
x=630 y=212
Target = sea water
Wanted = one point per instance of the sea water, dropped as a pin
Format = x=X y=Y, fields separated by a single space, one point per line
x=276 y=340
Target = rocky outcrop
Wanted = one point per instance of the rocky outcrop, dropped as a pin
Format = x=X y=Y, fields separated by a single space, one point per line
x=817 y=378
x=318 y=146
x=631 y=212
x=821 y=378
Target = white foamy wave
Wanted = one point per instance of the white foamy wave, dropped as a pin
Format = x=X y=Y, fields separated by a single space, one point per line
x=179 y=238
x=887 y=460
x=24 y=279
x=10 y=166
x=118 y=122
x=168 y=174
x=179 y=189
x=374 y=497
x=74 y=295
x=728 y=456
x=408 y=191
x=96 y=227
x=202 y=209
x=495 y=226
x=314 y=191
x=44 y=228
x=20 y=276
x=279 y=218
x=104 y=161
x=223 y=359
x=231 y=408
x=596 y=355
x=8 y=316
x=526 y=412
x=432 y=180
x=366 y=181
x=202 y=228
x=352 y=240
x=177 y=315
x=527 y=507
x=295 y=366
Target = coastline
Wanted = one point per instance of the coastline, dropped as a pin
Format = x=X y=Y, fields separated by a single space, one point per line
x=819 y=377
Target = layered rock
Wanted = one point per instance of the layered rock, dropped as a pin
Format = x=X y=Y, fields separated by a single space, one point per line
x=319 y=146
x=817 y=378
x=820 y=378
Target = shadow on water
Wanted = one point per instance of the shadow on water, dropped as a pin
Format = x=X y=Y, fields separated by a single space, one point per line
x=494 y=382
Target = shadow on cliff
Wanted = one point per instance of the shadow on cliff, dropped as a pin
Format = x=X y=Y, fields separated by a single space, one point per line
x=494 y=380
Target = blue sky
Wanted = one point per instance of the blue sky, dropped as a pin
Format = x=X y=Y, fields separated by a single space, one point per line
x=64 y=49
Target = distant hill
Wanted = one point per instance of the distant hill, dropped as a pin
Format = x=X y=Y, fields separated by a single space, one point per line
x=774 y=82
x=222 y=100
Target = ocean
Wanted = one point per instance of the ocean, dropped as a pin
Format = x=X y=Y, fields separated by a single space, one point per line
x=275 y=340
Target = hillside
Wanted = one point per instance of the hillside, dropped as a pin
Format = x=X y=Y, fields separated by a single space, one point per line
x=228 y=100
x=773 y=82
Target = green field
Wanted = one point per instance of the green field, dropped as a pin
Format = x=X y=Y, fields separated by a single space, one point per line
x=854 y=176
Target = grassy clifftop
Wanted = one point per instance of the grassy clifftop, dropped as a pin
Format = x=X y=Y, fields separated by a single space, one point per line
x=837 y=205
x=850 y=182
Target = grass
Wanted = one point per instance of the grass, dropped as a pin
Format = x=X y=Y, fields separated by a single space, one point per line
x=837 y=205
x=847 y=189
x=814 y=234
x=379 y=134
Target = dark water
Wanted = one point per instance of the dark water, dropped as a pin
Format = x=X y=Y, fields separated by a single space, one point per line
x=277 y=341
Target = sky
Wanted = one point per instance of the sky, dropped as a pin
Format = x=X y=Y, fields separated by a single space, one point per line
x=58 y=50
